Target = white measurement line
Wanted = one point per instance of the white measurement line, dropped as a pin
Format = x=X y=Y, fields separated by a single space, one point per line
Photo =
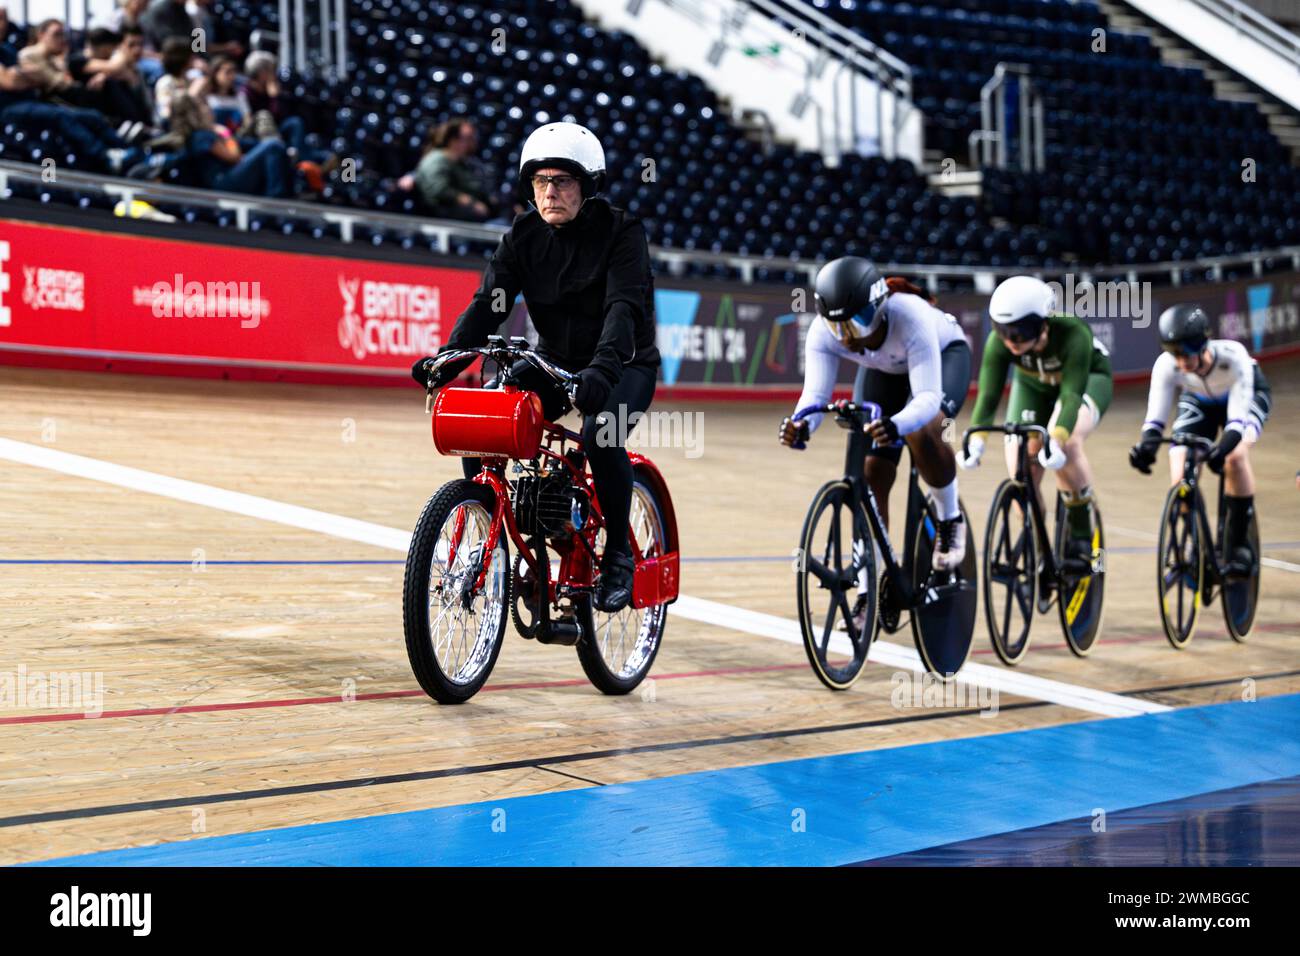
x=697 y=609
x=1280 y=565
x=233 y=501
x=895 y=655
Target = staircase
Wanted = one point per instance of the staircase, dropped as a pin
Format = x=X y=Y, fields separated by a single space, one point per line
x=1282 y=121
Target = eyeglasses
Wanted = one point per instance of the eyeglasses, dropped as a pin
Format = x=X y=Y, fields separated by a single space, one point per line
x=562 y=183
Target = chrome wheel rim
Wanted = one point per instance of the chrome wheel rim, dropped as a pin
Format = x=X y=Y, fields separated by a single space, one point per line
x=464 y=622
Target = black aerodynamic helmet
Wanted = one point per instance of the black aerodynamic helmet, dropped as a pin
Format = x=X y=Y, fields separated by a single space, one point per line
x=848 y=293
x=1184 y=329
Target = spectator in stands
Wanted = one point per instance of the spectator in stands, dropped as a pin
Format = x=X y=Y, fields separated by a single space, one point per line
x=216 y=160
x=94 y=57
x=44 y=62
x=11 y=38
x=85 y=130
x=127 y=13
x=228 y=103
x=165 y=19
x=262 y=87
x=220 y=41
x=446 y=180
x=109 y=70
x=130 y=13
x=182 y=72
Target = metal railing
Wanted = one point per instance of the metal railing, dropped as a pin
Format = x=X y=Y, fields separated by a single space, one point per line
x=332 y=18
x=746 y=23
x=675 y=261
x=988 y=144
x=888 y=71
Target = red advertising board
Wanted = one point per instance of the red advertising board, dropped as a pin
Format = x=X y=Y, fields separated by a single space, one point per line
x=108 y=298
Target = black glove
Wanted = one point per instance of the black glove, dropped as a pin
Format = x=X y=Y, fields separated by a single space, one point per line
x=1143 y=455
x=1219 y=453
x=593 y=391
x=448 y=373
x=884 y=431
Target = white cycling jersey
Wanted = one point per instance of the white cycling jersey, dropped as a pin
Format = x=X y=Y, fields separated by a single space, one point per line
x=1230 y=381
x=918 y=333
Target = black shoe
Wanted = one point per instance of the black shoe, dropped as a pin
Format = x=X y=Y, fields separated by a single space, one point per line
x=1078 y=557
x=614 y=591
x=1240 y=563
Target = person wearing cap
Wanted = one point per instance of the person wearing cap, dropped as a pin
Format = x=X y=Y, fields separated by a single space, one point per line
x=1223 y=395
x=583 y=268
x=913 y=362
x=1062 y=381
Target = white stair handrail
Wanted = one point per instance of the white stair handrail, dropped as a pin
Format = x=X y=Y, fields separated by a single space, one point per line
x=1249 y=21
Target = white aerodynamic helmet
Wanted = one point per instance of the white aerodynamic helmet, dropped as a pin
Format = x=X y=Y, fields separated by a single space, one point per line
x=1020 y=306
x=566 y=146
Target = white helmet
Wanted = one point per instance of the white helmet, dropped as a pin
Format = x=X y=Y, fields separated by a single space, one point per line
x=566 y=146
x=1020 y=306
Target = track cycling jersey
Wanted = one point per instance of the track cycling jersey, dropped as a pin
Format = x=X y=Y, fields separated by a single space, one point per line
x=1231 y=380
x=917 y=333
x=1072 y=354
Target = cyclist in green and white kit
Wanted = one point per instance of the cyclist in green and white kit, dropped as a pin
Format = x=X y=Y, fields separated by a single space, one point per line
x=1062 y=381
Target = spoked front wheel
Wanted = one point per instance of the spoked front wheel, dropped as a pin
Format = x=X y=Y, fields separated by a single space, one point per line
x=1010 y=571
x=1081 y=597
x=617 y=650
x=943 y=620
x=1240 y=594
x=1180 y=565
x=832 y=562
x=454 y=627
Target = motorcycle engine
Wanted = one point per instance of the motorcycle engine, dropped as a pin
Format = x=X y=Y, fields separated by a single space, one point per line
x=550 y=504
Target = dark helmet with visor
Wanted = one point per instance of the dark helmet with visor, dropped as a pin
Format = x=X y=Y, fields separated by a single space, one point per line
x=1184 y=329
x=848 y=293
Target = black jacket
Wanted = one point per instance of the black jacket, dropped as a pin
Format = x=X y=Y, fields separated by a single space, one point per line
x=587 y=285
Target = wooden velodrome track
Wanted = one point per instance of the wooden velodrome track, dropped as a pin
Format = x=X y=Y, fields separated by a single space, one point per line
x=248 y=665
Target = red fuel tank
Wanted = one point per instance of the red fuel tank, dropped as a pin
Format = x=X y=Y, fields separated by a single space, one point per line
x=487 y=422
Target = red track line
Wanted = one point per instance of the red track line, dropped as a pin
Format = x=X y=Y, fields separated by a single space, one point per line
x=386 y=695
x=533 y=685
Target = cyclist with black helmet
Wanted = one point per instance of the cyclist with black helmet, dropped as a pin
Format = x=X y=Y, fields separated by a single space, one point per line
x=583 y=267
x=1062 y=381
x=1221 y=389
x=914 y=363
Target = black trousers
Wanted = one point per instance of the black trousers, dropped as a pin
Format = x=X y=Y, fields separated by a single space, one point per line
x=604 y=439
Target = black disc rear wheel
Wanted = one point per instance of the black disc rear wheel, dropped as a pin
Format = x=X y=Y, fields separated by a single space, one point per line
x=943 y=620
x=1081 y=597
x=1240 y=593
